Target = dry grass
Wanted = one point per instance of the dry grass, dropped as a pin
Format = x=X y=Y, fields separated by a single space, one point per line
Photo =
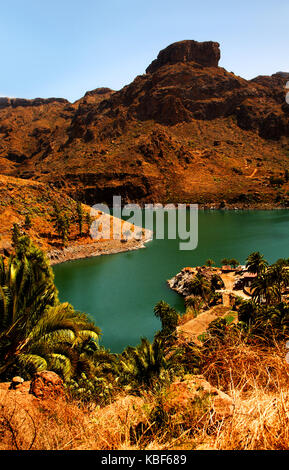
x=189 y=315
x=260 y=422
x=51 y=425
x=30 y=424
x=256 y=377
x=245 y=367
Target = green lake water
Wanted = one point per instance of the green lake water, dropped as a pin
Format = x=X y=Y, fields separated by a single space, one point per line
x=119 y=291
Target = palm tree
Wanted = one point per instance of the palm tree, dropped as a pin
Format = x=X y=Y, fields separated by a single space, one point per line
x=247 y=311
x=36 y=331
x=169 y=318
x=210 y=263
x=225 y=261
x=279 y=277
x=234 y=263
x=61 y=224
x=282 y=262
x=79 y=217
x=16 y=233
x=265 y=289
x=256 y=263
x=199 y=286
x=217 y=282
x=194 y=303
x=143 y=363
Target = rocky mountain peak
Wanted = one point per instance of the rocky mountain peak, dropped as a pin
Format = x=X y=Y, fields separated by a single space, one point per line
x=206 y=54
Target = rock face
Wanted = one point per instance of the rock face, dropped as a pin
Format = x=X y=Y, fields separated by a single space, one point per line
x=46 y=385
x=206 y=54
x=182 y=394
x=186 y=131
x=15 y=102
x=182 y=281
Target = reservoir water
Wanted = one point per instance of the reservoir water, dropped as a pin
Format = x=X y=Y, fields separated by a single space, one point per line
x=119 y=291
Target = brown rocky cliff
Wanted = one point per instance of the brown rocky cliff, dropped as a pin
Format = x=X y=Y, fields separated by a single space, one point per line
x=185 y=131
x=15 y=102
x=203 y=53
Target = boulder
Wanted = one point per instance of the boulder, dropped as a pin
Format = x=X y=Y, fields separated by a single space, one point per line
x=47 y=384
x=182 y=394
x=16 y=382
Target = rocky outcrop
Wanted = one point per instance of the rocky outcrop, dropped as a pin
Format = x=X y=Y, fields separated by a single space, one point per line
x=182 y=281
x=206 y=54
x=15 y=102
x=129 y=408
x=277 y=80
x=47 y=385
x=182 y=395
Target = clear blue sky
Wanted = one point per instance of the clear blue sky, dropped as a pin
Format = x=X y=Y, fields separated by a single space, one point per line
x=63 y=48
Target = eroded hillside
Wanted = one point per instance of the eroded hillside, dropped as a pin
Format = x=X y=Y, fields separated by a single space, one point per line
x=185 y=131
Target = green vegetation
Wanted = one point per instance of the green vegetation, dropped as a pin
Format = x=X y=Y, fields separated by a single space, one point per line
x=256 y=263
x=169 y=320
x=202 y=290
x=80 y=217
x=225 y=262
x=194 y=304
x=38 y=332
x=16 y=233
x=234 y=263
x=210 y=263
x=88 y=220
x=28 y=222
x=265 y=317
x=144 y=364
x=200 y=287
x=61 y=224
x=230 y=317
x=64 y=220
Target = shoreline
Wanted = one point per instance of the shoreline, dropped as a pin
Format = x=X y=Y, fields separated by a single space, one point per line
x=92 y=250
x=110 y=247
x=243 y=207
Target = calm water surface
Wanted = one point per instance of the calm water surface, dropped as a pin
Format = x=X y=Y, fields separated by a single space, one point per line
x=119 y=291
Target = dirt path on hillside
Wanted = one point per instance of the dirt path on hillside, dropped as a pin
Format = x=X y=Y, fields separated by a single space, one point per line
x=229 y=281
x=197 y=326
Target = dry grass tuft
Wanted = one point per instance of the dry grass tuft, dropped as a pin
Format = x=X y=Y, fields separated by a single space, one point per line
x=260 y=422
x=241 y=366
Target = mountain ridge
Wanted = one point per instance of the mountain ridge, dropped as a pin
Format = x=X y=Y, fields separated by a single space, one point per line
x=185 y=131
